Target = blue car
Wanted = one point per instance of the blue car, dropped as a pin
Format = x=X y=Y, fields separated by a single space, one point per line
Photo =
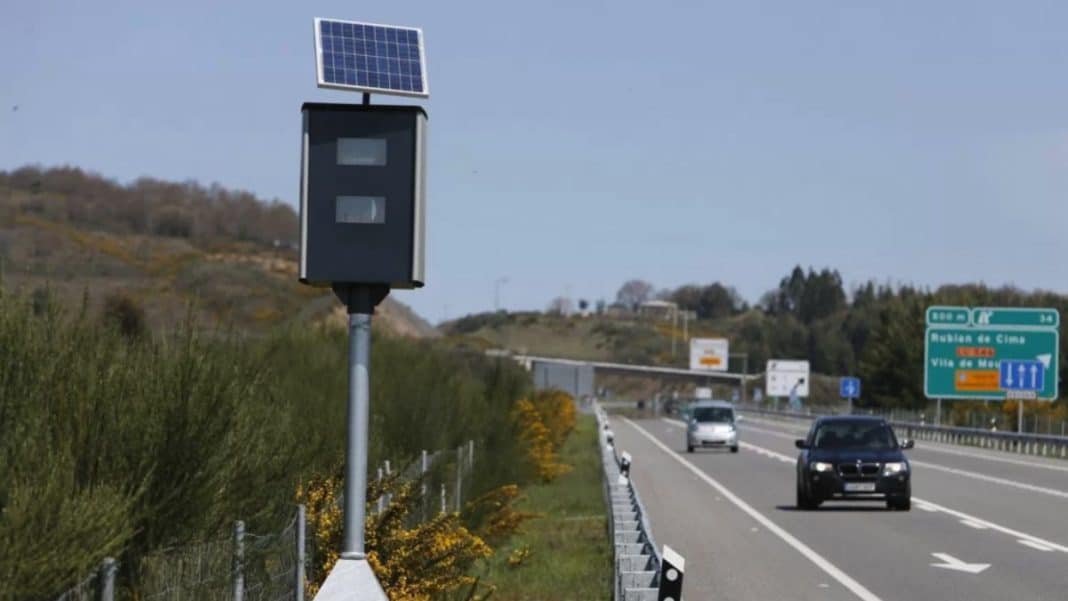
x=853 y=459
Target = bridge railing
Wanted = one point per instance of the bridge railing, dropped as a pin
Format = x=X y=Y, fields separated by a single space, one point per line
x=640 y=571
x=1044 y=445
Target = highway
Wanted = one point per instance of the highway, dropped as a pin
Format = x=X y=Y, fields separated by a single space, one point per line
x=984 y=525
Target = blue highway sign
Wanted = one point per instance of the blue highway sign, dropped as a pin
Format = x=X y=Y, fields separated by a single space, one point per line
x=849 y=388
x=1022 y=375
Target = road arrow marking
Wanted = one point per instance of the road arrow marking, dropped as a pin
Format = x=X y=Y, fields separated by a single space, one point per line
x=952 y=563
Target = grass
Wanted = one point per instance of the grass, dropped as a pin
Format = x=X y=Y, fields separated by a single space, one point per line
x=569 y=555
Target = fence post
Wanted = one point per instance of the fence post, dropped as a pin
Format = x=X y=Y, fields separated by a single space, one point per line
x=389 y=472
x=422 y=483
x=107 y=579
x=459 y=475
x=470 y=455
x=381 y=495
x=239 y=561
x=299 y=568
x=443 y=507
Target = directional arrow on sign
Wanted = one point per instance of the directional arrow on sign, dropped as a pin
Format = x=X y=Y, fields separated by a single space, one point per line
x=952 y=563
x=1045 y=360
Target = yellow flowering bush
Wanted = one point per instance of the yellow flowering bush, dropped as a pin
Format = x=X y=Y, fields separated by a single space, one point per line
x=543 y=425
x=497 y=519
x=557 y=411
x=413 y=562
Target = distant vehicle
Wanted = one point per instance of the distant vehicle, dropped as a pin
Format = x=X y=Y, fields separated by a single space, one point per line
x=853 y=459
x=711 y=424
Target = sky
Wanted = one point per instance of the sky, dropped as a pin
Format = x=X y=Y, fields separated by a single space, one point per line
x=574 y=145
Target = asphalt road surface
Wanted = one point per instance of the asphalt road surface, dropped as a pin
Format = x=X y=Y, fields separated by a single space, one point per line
x=984 y=525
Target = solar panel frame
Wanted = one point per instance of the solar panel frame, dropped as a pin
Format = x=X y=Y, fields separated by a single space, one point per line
x=320 y=67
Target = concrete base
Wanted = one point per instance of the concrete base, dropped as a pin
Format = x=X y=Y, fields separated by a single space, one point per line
x=351 y=580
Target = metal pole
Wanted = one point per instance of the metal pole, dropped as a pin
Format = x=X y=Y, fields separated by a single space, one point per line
x=299 y=568
x=107 y=579
x=1019 y=416
x=239 y=561
x=443 y=507
x=674 y=328
x=686 y=327
x=470 y=455
x=938 y=412
x=356 y=452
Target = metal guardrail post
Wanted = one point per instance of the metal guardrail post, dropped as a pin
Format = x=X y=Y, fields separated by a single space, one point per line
x=1025 y=444
x=108 y=569
x=239 y=561
x=637 y=563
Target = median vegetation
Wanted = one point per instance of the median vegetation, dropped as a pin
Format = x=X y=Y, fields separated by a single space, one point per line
x=115 y=441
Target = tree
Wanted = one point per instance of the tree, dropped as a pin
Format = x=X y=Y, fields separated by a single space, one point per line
x=633 y=293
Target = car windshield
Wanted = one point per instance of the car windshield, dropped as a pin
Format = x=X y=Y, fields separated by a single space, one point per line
x=854 y=435
x=713 y=414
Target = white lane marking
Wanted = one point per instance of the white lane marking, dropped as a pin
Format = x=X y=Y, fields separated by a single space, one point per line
x=952 y=563
x=833 y=571
x=1034 y=545
x=960 y=515
x=924 y=506
x=959 y=472
x=970 y=523
x=992 y=479
x=936 y=447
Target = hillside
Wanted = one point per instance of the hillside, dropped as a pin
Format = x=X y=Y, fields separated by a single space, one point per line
x=875 y=331
x=169 y=249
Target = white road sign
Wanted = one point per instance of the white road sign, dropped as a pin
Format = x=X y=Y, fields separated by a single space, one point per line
x=784 y=376
x=709 y=354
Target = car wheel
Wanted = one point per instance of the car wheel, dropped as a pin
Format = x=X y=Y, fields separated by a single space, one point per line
x=734 y=449
x=902 y=504
x=803 y=501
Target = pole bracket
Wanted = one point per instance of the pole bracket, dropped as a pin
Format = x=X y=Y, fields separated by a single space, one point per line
x=361 y=298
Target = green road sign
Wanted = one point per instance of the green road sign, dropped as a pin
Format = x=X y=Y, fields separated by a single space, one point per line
x=965 y=362
x=948 y=316
x=1035 y=318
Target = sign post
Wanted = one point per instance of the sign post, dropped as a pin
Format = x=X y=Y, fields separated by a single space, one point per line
x=849 y=389
x=363 y=220
x=992 y=353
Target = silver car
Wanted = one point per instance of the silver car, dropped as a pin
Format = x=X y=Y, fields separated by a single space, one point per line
x=711 y=424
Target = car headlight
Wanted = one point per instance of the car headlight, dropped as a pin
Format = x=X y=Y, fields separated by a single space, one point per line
x=895 y=467
x=819 y=466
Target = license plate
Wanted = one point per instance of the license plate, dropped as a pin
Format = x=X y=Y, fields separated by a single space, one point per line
x=860 y=487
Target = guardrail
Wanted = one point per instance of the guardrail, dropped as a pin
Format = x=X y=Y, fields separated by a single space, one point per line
x=1044 y=445
x=641 y=571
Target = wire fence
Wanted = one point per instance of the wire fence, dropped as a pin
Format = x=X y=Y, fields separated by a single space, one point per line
x=86 y=590
x=271 y=566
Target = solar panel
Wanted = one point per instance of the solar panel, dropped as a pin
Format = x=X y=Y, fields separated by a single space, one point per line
x=366 y=57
